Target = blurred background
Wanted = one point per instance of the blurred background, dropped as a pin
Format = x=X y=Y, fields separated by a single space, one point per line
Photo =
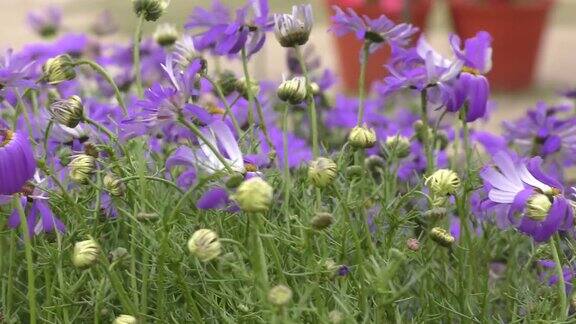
x=554 y=67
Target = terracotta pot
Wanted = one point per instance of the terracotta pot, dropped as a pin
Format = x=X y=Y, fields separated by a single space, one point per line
x=349 y=46
x=517 y=31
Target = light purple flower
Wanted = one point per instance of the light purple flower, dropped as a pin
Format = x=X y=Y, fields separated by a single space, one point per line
x=46 y=22
x=17 y=164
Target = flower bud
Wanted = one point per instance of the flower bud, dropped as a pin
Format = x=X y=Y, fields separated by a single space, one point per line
x=442 y=139
x=294 y=30
x=441 y=236
x=234 y=180
x=254 y=195
x=205 y=245
x=91 y=149
x=335 y=317
x=293 y=91
x=242 y=88
x=362 y=137
x=419 y=129
x=165 y=35
x=354 y=171
x=68 y=112
x=322 y=221
x=227 y=82
x=374 y=162
x=443 y=182
x=436 y=213
x=322 y=171
x=280 y=295
x=118 y=254
x=399 y=145
x=113 y=185
x=538 y=207
x=150 y=9
x=58 y=69
x=413 y=244
x=125 y=319
x=85 y=253
x=82 y=167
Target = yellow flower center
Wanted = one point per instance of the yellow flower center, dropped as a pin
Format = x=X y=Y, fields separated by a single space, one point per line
x=215 y=110
x=8 y=135
x=471 y=70
x=250 y=167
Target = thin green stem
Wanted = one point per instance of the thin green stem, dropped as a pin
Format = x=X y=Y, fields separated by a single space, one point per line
x=362 y=82
x=428 y=149
x=250 y=96
x=311 y=103
x=136 y=56
x=100 y=70
x=258 y=257
x=227 y=106
x=560 y=274
x=32 y=306
x=285 y=157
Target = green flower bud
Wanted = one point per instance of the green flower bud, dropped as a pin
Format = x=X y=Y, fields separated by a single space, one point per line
x=442 y=139
x=150 y=9
x=227 y=82
x=436 y=213
x=125 y=319
x=294 y=29
x=205 y=245
x=322 y=221
x=118 y=254
x=85 y=253
x=68 y=112
x=374 y=162
x=165 y=35
x=82 y=167
x=254 y=195
x=322 y=171
x=293 y=91
x=538 y=207
x=113 y=185
x=419 y=129
x=441 y=236
x=58 y=69
x=242 y=87
x=443 y=182
x=399 y=145
x=335 y=317
x=280 y=295
x=354 y=171
x=362 y=137
x=234 y=180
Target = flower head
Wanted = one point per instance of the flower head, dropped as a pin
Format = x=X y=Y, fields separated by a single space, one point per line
x=205 y=245
x=86 y=253
x=294 y=29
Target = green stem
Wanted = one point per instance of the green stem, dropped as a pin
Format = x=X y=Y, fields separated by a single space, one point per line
x=362 y=82
x=428 y=149
x=560 y=275
x=311 y=103
x=259 y=258
x=227 y=106
x=100 y=70
x=29 y=260
x=136 y=56
x=250 y=96
x=285 y=157
x=271 y=149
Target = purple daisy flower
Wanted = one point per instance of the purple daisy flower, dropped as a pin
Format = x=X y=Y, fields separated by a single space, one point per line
x=46 y=22
x=549 y=276
x=227 y=35
x=17 y=164
x=376 y=32
x=523 y=189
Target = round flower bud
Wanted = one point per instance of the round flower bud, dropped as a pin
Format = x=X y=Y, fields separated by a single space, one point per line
x=68 y=112
x=335 y=317
x=293 y=91
x=280 y=295
x=362 y=137
x=82 y=167
x=413 y=244
x=150 y=9
x=205 y=245
x=354 y=171
x=254 y=195
x=443 y=182
x=374 y=162
x=118 y=254
x=538 y=207
x=242 y=87
x=165 y=35
x=399 y=145
x=227 y=82
x=441 y=236
x=294 y=30
x=419 y=130
x=442 y=139
x=125 y=319
x=58 y=69
x=113 y=185
x=85 y=253
x=436 y=213
x=322 y=221
x=322 y=171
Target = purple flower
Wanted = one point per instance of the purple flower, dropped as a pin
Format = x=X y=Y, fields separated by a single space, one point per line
x=226 y=35
x=14 y=73
x=524 y=190
x=104 y=24
x=17 y=164
x=549 y=275
x=376 y=32
x=46 y=22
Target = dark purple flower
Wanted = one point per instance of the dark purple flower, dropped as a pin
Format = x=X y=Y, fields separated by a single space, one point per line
x=534 y=202
x=46 y=22
x=17 y=164
x=376 y=32
x=226 y=35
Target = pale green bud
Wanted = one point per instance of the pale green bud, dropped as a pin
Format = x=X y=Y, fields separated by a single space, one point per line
x=254 y=195
x=538 y=207
x=58 y=69
x=205 y=245
x=322 y=172
x=400 y=145
x=85 y=253
x=125 y=319
x=82 y=167
x=293 y=90
x=113 y=185
x=151 y=10
x=443 y=182
x=68 y=112
x=280 y=295
x=441 y=236
x=165 y=35
x=362 y=137
x=242 y=87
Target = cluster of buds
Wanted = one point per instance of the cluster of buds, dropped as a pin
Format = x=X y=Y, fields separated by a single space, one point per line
x=82 y=167
x=165 y=35
x=85 y=253
x=254 y=195
x=322 y=172
x=151 y=10
x=362 y=137
x=68 y=112
x=293 y=91
x=205 y=245
x=58 y=69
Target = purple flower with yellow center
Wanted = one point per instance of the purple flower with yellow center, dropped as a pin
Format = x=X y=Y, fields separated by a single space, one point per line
x=46 y=22
x=17 y=164
x=525 y=191
x=376 y=32
x=227 y=35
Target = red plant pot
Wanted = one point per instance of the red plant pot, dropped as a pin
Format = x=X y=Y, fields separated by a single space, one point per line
x=517 y=31
x=349 y=46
